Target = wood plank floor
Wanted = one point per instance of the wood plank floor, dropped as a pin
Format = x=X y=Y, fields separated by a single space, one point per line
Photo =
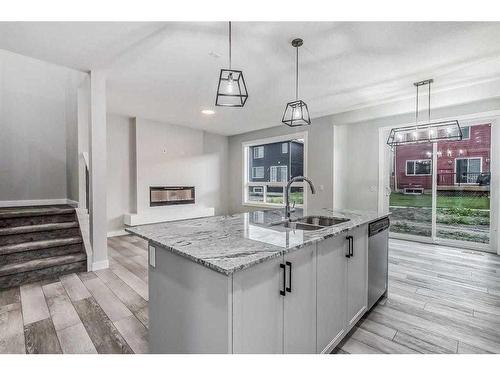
x=96 y=312
x=440 y=300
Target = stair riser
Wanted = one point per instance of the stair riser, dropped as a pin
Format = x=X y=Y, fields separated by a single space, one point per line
x=35 y=220
x=42 y=253
x=38 y=236
x=10 y=281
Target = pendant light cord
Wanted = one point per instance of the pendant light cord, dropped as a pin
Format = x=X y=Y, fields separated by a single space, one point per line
x=297 y=75
x=229 y=44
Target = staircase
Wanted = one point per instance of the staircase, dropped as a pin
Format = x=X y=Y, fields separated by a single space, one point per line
x=38 y=243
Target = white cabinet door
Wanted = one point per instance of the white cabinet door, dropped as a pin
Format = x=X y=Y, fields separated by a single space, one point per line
x=300 y=301
x=331 y=292
x=258 y=308
x=357 y=275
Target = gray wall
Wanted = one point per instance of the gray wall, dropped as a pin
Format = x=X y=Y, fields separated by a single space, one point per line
x=37 y=129
x=319 y=162
x=121 y=177
x=142 y=153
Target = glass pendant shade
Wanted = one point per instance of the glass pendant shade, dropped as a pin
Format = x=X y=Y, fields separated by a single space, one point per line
x=296 y=114
x=423 y=133
x=232 y=90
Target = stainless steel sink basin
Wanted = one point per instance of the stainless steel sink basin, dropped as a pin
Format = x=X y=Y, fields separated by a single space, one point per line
x=310 y=222
x=295 y=225
x=322 y=221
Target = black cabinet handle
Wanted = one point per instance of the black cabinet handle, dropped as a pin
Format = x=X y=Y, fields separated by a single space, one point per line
x=352 y=246
x=348 y=238
x=282 y=266
x=289 y=288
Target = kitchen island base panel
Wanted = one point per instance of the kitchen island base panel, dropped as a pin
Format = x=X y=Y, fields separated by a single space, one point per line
x=304 y=301
x=189 y=306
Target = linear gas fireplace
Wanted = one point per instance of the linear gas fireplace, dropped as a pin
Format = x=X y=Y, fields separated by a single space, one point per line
x=168 y=195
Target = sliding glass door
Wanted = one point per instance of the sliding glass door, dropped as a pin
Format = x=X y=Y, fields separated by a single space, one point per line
x=411 y=195
x=463 y=186
x=440 y=192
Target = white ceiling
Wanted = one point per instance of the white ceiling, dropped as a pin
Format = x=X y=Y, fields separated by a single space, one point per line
x=168 y=71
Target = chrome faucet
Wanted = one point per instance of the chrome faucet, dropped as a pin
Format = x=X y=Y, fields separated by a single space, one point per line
x=287 y=192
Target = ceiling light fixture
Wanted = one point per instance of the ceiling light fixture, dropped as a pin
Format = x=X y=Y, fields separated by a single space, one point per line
x=425 y=131
x=231 y=90
x=296 y=112
x=207 y=111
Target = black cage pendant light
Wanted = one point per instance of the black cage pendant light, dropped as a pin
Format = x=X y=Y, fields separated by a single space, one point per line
x=232 y=90
x=425 y=131
x=296 y=112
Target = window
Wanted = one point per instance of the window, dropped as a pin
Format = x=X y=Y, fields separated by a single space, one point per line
x=467 y=170
x=418 y=167
x=266 y=177
x=258 y=152
x=466 y=132
x=279 y=173
x=258 y=172
x=284 y=148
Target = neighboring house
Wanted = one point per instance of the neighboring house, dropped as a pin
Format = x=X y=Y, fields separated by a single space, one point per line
x=276 y=162
x=463 y=165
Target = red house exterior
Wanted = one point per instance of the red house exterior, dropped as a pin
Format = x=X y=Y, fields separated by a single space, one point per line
x=461 y=164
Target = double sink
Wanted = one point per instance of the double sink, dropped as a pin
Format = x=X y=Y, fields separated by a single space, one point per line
x=310 y=222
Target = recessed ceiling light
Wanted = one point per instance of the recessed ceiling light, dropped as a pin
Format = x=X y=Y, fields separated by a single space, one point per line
x=207 y=111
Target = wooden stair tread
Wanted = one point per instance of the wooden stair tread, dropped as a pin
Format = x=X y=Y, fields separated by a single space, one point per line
x=36 y=245
x=34 y=211
x=37 y=264
x=37 y=228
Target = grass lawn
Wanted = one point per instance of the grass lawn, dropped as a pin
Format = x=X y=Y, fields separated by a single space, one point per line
x=296 y=197
x=425 y=200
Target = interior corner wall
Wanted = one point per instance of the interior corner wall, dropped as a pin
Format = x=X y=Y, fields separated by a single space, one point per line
x=357 y=147
x=319 y=162
x=121 y=180
x=34 y=131
x=142 y=153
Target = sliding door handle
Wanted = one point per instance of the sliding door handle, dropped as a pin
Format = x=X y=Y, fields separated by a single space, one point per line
x=282 y=291
x=289 y=288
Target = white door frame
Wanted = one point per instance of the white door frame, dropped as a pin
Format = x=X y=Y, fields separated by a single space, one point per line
x=492 y=117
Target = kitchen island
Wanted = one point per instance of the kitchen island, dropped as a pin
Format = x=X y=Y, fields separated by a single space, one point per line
x=245 y=283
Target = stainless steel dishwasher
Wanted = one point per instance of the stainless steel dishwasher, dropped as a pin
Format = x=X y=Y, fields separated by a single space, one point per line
x=378 y=237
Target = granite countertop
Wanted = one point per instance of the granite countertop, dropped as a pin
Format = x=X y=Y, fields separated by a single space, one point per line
x=231 y=243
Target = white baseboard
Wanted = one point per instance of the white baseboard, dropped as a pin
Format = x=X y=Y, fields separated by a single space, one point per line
x=38 y=202
x=116 y=233
x=103 y=264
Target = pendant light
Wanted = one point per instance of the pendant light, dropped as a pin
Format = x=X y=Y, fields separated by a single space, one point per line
x=232 y=90
x=296 y=112
x=428 y=131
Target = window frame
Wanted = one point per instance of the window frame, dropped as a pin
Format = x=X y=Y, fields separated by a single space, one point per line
x=245 y=165
x=287 y=144
x=414 y=174
x=260 y=168
x=277 y=167
x=480 y=158
x=256 y=149
x=470 y=130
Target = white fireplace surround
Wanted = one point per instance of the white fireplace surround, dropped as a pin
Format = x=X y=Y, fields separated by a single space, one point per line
x=170 y=155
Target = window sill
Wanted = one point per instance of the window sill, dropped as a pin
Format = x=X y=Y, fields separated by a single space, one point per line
x=268 y=205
